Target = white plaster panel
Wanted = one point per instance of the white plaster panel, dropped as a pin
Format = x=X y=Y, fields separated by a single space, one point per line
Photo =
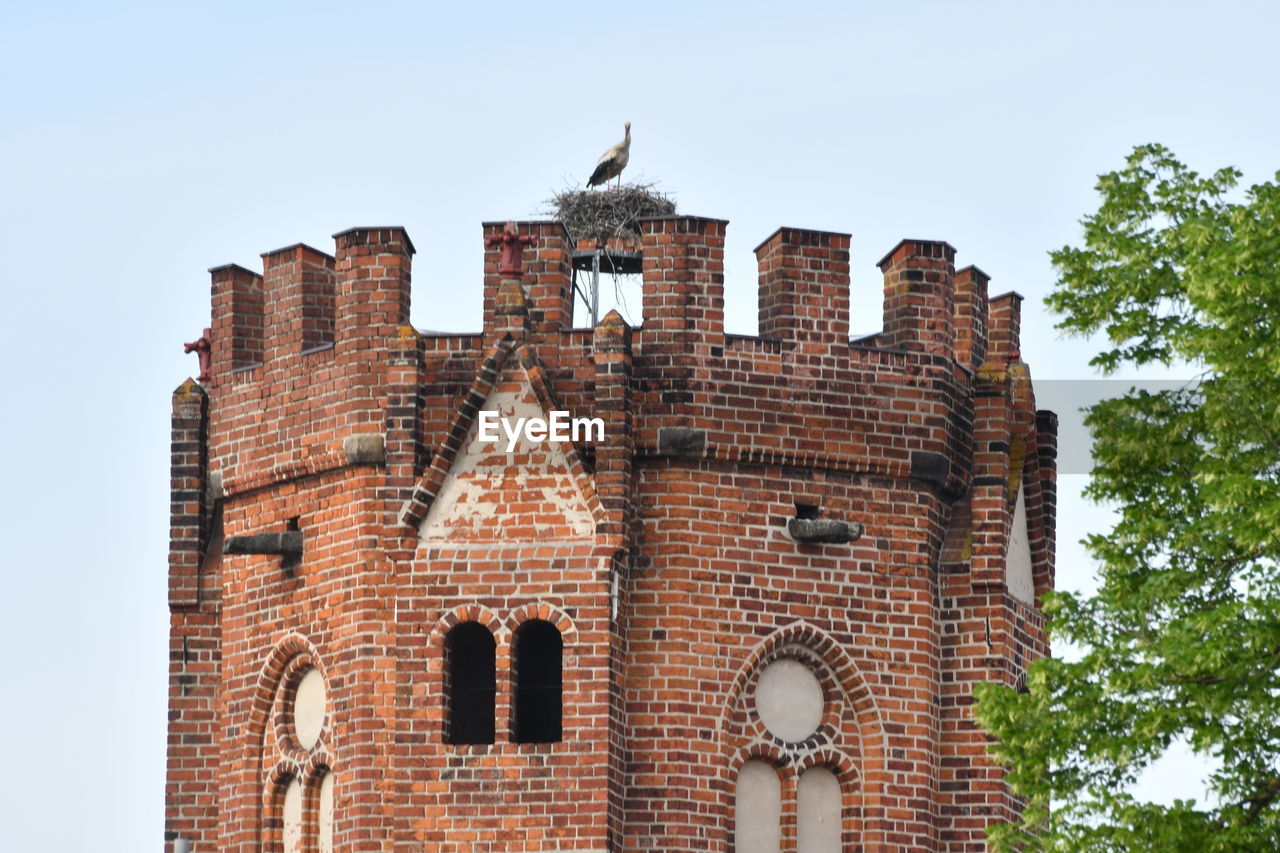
x=758 y=809
x=818 y=812
x=325 y=816
x=528 y=494
x=789 y=700
x=308 y=709
x=291 y=817
x=1017 y=566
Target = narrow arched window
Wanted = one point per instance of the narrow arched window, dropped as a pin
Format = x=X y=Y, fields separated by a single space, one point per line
x=470 y=684
x=324 y=815
x=291 y=817
x=818 y=826
x=758 y=807
x=300 y=812
x=538 y=649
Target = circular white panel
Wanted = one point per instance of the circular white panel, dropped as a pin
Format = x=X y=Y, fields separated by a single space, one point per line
x=789 y=700
x=308 y=709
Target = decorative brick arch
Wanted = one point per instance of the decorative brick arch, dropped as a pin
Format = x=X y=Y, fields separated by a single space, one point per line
x=547 y=612
x=282 y=709
x=833 y=721
x=759 y=750
x=282 y=660
x=836 y=760
x=556 y=617
x=803 y=635
x=850 y=740
x=845 y=769
x=464 y=613
x=309 y=775
x=271 y=832
x=437 y=696
x=288 y=659
x=789 y=769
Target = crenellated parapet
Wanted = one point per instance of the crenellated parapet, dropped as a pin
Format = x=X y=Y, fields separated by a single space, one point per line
x=301 y=353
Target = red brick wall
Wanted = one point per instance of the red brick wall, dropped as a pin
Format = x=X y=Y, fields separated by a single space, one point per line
x=662 y=554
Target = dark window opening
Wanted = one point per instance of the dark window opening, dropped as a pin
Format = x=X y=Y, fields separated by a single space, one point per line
x=470 y=684
x=806 y=510
x=539 y=686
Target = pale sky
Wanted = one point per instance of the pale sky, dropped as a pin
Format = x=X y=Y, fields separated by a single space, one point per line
x=141 y=144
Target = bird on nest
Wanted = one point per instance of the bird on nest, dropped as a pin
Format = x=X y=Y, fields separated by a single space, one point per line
x=612 y=162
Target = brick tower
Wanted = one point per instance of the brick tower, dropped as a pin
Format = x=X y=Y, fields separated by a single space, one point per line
x=748 y=617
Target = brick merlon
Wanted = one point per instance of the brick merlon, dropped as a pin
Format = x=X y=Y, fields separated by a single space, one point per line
x=973 y=270
x=295 y=247
x=793 y=229
x=678 y=216
x=233 y=268
x=399 y=228
x=944 y=245
x=528 y=223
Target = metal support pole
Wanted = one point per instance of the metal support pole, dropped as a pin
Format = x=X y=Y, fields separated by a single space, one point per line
x=595 y=288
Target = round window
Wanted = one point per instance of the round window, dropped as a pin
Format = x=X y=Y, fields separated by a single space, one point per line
x=308 y=709
x=789 y=700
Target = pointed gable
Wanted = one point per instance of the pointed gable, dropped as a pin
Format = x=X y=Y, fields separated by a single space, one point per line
x=1019 y=577
x=537 y=492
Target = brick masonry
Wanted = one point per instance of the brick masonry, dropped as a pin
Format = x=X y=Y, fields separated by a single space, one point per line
x=661 y=554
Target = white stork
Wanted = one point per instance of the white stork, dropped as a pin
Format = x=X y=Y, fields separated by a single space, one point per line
x=612 y=162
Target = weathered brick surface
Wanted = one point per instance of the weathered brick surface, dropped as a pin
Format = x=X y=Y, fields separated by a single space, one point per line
x=661 y=553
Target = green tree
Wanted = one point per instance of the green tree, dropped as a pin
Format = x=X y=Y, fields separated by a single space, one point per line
x=1181 y=642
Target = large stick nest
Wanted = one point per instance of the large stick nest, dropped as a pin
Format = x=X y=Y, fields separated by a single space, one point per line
x=604 y=215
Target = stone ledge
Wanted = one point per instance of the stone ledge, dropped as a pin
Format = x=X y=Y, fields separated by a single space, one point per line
x=286 y=544
x=824 y=530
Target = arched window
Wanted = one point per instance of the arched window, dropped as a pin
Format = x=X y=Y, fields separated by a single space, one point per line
x=538 y=649
x=300 y=815
x=324 y=816
x=790 y=703
x=818 y=822
x=291 y=817
x=470 y=683
x=758 y=809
